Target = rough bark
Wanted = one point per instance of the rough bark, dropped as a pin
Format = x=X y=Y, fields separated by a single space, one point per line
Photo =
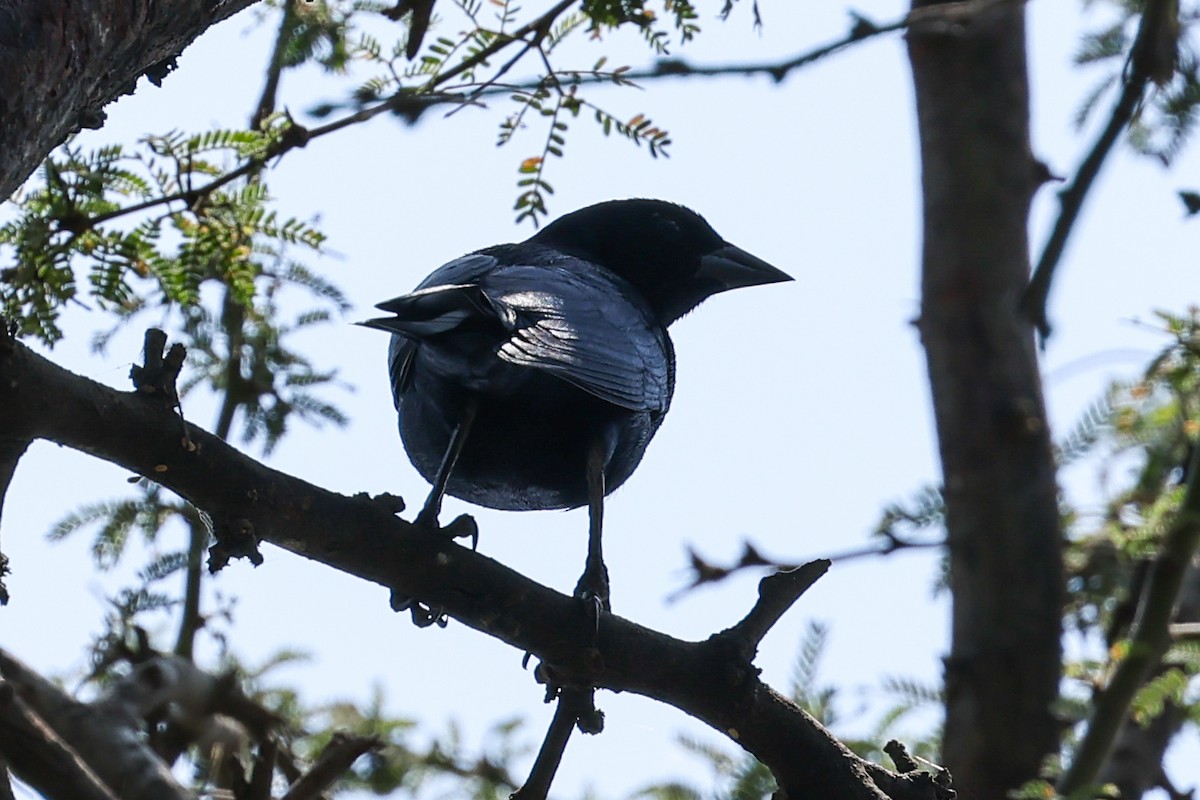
x=713 y=680
x=978 y=177
x=62 y=62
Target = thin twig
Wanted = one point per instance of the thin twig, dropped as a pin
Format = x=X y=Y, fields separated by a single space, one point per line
x=267 y=102
x=861 y=30
x=705 y=572
x=541 y=23
x=573 y=704
x=1144 y=66
x=296 y=136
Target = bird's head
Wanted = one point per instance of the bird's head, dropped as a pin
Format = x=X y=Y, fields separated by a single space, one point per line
x=669 y=253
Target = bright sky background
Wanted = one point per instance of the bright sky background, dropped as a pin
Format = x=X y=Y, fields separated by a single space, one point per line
x=800 y=409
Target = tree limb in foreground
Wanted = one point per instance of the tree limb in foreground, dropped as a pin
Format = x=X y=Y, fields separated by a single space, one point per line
x=713 y=680
x=108 y=45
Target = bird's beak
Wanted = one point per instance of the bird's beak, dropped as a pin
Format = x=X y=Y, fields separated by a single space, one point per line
x=732 y=268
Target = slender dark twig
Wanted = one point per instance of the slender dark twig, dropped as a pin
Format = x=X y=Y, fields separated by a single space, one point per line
x=861 y=30
x=296 y=136
x=1146 y=64
x=573 y=705
x=705 y=572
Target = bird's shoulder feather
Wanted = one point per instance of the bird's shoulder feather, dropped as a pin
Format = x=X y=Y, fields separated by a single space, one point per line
x=547 y=311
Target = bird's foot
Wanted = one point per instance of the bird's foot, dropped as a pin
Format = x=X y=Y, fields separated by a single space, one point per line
x=423 y=616
x=592 y=590
x=461 y=527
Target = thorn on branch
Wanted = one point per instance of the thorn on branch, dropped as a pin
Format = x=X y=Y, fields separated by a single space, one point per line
x=706 y=572
x=862 y=27
x=1042 y=174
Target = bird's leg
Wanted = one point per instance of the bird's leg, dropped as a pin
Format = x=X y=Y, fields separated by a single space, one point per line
x=593 y=584
x=423 y=616
x=428 y=517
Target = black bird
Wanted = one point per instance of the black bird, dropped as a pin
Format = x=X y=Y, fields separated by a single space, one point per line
x=533 y=375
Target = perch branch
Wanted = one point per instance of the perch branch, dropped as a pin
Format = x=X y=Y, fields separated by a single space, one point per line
x=361 y=538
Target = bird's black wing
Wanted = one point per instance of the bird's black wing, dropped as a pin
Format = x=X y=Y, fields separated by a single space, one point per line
x=579 y=323
x=585 y=326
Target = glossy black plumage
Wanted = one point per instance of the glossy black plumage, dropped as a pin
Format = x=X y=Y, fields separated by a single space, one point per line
x=561 y=344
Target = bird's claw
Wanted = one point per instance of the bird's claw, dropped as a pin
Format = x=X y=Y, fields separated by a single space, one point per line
x=592 y=591
x=423 y=616
x=461 y=527
x=594 y=606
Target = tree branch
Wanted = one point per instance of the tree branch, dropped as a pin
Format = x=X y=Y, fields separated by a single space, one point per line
x=776 y=594
x=1146 y=64
x=295 y=136
x=106 y=736
x=708 y=680
x=108 y=45
x=861 y=29
x=40 y=758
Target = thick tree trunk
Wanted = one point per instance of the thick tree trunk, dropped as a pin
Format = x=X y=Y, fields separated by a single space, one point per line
x=1001 y=512
x=62 y=62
